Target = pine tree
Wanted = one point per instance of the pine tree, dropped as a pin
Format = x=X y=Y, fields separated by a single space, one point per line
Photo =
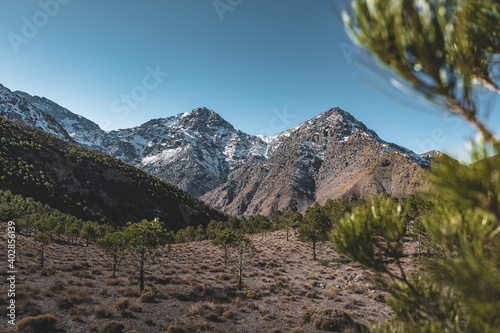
x=226 y=238
x=444 y=49
x=145 y=243
x=113 y=244
x=44 y=240
x=244 y=256
x=315 y=226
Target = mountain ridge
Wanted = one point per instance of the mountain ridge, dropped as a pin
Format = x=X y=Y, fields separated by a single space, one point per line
x=328 y=156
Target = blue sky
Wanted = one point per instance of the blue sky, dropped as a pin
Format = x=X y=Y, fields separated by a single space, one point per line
x=250 y=61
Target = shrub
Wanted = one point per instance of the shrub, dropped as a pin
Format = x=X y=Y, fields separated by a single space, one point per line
x=311 y=295
x=175 y=329
x=379 y=283
x=197 y=327
x=228 y=314
x=58 y=287
x=122 y=305
x=350 y=303
x=42 y=323
x=224 y=276
x=378 y=298
x=127 y=314
x=251 y=294
x=103 y=292
x=112 y=327
x=101 y=312
x=63 y=303
x=147 y=297
x=323 y=262
x=327 y=319
x=331 y=293
x=207 y=310
x=130 y=292
x=296 y=330
x=78 y=295
x=135 y=308
x=275 y=330
x=114 y=282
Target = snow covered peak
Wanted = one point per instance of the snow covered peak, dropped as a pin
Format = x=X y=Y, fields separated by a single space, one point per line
x=203 y=119
x=82 y=130
x=17 y=108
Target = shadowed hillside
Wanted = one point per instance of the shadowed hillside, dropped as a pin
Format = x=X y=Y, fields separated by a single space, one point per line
x=88 y=184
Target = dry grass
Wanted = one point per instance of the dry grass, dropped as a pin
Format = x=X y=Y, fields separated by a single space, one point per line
x=193 y=290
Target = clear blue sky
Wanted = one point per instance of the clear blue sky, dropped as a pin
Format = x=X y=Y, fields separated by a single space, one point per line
x=246 y=63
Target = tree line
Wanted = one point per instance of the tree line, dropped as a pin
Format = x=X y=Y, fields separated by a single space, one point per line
x=313 y=226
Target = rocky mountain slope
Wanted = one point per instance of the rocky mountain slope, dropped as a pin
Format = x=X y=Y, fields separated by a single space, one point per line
x=82 y=130
x=15 y=107
x=330 y=156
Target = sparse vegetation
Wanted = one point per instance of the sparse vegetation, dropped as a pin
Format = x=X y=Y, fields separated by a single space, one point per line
x=328 y=319
x=181 y=286
x=112 y=327
x=38 y=324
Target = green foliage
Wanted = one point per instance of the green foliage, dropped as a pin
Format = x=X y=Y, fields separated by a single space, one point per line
x=423 y=300
x=200 y=233
x=89 y=231
x=32 y=216
x=478 y=184
x=372 y=233
x=436 y=46
x=461 y=290
x=315 y=226
x=213 y=228
x=113 y=244
x=145 y=243
x=289 y=219
x=44 y=239
x=244 y=254
x=226 y=238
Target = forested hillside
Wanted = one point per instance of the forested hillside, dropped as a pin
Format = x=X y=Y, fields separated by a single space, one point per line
x=88 y=184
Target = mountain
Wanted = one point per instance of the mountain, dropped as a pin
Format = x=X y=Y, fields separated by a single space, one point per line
x=88 y=184
x=196 y=151
x=80 y=129
x=18 y=108
x=331 y=156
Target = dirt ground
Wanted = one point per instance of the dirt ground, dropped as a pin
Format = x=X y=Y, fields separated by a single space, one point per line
x=194 y=289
